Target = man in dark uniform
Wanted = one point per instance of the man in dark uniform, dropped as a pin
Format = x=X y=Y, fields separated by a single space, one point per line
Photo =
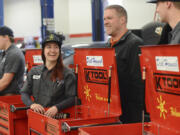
x=169 y=12
x=12 y=64
x=128 y=67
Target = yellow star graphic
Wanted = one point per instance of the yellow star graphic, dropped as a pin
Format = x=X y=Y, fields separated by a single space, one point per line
x=162 y=103
x=87 y=92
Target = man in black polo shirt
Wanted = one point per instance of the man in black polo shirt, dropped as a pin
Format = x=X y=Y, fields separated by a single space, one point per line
x=12 y=64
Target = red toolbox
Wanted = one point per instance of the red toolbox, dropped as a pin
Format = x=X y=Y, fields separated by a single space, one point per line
x=33 y=58
x=160 y=70
x=160 y=67
x=122 y=129
x=12 y=121
x=99 y=95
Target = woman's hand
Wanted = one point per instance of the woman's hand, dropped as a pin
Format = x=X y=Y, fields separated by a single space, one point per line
x=37 y=108
x=52 y=111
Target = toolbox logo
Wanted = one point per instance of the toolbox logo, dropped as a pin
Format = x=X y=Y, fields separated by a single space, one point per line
x=174 y=112
x=94 y=61
x=99 y=76
x=164 y=109
x=167 y=63
x=87 y=91
x=167 y=83
x=161 y=107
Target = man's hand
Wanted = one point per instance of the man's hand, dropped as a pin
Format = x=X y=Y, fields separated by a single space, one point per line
x=52 y=111
x=37 y=108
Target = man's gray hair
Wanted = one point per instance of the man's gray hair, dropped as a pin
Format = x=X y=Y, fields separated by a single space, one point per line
x=121 y=11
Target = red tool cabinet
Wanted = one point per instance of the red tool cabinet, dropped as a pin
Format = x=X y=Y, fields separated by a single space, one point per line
x=33 y=58
x=12 y=122
x=161 y=72
x=160 y=66
x=98 y=91
x=122 y=129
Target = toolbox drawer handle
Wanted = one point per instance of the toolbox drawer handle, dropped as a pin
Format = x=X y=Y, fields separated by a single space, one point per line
x=66 y=128
x=13 y=108
x=34 y=131
x=6 y=128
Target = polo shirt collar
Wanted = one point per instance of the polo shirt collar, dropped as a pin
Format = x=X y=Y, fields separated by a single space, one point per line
x=122 y=38
x=176 y=29
x=10 y=47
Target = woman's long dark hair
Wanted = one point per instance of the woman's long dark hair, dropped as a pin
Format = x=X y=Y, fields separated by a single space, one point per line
x=57 y=71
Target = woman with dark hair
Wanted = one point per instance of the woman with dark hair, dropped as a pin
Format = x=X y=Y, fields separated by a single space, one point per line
x=52 y=85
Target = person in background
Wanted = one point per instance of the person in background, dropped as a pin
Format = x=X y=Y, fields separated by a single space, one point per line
x=126 y=46
x=169 y=12
x=12 y=64
x=52 y=85
x=151 y=32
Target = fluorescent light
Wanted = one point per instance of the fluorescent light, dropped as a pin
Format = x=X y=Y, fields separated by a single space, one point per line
x=79 y=45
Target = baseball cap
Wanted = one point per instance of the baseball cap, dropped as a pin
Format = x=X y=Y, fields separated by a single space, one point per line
x=4 y=30
x=155 y=1
x=53 y=37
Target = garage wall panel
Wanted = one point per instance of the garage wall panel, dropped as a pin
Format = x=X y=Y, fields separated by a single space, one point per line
x=23 y=16
x=61 y=16
x=139 y=13
x=80 y=20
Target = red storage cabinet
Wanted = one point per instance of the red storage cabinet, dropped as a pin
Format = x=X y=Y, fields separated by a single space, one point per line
x=98 y=91
x=160 y=67
x=12 y=123
x=33 y=58
x=122 y=129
